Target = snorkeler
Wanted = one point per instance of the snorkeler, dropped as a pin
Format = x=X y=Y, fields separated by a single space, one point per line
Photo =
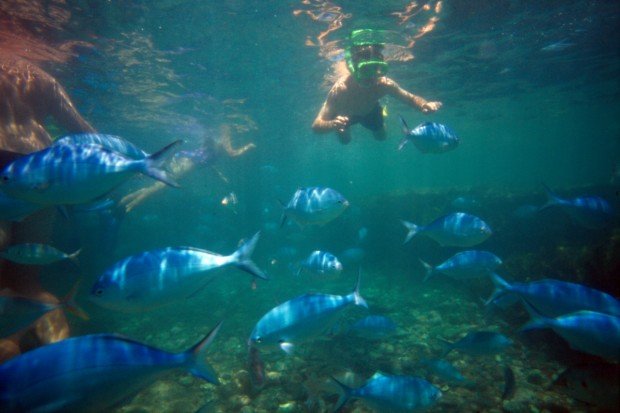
x=354 y=98
x=29 y=96
x=206 y=155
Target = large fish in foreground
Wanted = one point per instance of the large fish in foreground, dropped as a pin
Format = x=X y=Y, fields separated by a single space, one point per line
x=553 y=298
x=388 y=393
x=110 y=142
x=465 y=264
x=154 y=278
x=75 y=174
x=302 y=318
x=92 y=373
x=314 y=206
x=591 y=212
x=458 y=229
x=429 y=137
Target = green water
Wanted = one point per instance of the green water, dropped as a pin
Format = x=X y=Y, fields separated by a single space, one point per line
x=164 y=70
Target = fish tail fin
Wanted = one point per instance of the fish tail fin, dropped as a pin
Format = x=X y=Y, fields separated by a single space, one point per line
x=74 y=257
x=68 y=302
x=357 y=298
x=552 y=198
x=538 y=320
x=430 y=270
x=405 y=130
x=412 y=228
x=199 y=366
x=448 y=346
x=502 y=287
x=242 y=258
x=153 y=165
x=344 y=397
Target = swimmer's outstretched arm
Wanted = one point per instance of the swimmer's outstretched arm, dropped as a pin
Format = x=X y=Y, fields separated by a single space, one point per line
x=405 y=96
x=327 y=120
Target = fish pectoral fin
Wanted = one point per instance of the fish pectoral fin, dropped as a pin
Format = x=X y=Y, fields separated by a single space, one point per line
x=287 y=347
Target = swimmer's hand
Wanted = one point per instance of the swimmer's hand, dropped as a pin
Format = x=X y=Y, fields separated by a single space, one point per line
x=340 y=123
x=431 y=107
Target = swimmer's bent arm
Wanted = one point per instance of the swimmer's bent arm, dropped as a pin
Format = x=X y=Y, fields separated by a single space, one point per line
x=407 y=97
x=326 y=121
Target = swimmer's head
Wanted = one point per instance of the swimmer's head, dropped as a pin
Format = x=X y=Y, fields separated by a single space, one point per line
x=364 y=55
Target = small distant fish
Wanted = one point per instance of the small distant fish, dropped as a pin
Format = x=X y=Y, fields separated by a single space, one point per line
x=75 y=174
x=458 y=229
x=592 y=383
x=557 y=46
x=465 y=203
x=256 y=368
x=36 y=254
x=373 y=327
x=590 y=212
x=92 y=373
x=321 y=263
x=587 y=331
x=302 y=318
x=429 y=137
x=353 y=255
x=110 y=142
x=553 y=298
x=314 y=206
x=465 y=264
x=479 y=343
x=15 y=210
x=385 y=392
x=18 y=312
x=444 y=370
x=155 y=278
x=510 y=384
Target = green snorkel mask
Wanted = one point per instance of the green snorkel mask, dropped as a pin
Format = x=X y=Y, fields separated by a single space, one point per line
x=363 y=54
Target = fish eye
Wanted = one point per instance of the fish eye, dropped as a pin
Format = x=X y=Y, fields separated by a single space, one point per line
x=99 y=292
x=5 y=178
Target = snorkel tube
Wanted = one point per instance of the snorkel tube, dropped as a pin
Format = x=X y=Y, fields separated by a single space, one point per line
x=372 y=65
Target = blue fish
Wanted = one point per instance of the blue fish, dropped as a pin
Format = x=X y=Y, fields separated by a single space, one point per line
x=92 y=373
x=301 y=318
x=479 y=343
x=373 y=327
x=154 y=278
x=429 y=137
x=15 y=210
x=553 y=298
x=590 y=212
x=110 y=142
x=75 y=174
x=314 y=206
x=391 y=393
x=18 y=312
x=586 y=331
x=36 y=254
x=444 y=370
x=321 y=263
x=465 y=264
x=458 y=229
